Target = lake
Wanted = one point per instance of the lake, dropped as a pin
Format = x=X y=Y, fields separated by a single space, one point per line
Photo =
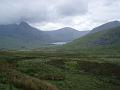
x=59 y=43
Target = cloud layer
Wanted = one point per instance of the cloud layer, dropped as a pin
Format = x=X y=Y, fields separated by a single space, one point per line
x=52 y=14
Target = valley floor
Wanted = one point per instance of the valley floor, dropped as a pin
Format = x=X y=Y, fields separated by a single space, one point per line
x=35 y=70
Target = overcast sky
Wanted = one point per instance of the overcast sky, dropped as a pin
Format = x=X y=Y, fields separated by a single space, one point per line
x=55 y=14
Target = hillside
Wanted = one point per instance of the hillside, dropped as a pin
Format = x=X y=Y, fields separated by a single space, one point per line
x=22 y=36
x=106 y=26
x=105 y=39
x=66 y=34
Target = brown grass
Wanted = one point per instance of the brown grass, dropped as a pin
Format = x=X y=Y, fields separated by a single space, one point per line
x=23 y=81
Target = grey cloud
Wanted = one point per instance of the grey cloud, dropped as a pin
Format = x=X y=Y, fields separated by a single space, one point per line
x=111 y=2
x=56 y=13
x=73 y=8
x=13 y=11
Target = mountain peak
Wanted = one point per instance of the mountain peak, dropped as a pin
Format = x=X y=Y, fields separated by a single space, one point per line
x=23 y=23
x=68 y=29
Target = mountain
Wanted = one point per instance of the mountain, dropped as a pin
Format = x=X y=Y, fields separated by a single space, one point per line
x=22 y=36
x=106 y=26
x=66 y=34
x=102 y=39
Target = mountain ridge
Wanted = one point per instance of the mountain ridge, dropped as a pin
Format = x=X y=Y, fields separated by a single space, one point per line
x=66 y=34
x=104 y=39
x=106 y=26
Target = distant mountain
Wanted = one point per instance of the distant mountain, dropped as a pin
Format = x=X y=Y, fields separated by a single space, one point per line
x=100 y=39
x=22 y=36
x=66 y=34
x=106 y=26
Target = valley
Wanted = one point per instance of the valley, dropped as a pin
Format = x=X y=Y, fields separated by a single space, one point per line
x=59 y=44
x=91 y=61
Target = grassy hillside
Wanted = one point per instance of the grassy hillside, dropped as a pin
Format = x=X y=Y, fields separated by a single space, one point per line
x=8 y=43
x=105 y=39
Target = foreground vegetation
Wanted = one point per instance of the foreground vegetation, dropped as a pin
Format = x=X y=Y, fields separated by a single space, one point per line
x=37 y=70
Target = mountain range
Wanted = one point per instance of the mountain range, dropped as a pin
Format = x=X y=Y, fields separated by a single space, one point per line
x=21 y=36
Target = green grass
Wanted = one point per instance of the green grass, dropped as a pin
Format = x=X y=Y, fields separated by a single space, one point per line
x=66 y=71
x=106 y=41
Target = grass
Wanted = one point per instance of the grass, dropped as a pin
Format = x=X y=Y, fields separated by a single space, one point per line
x=37 y=70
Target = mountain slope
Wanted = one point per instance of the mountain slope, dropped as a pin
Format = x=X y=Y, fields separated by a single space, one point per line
x=66 y=34
x=106 y=26
x=104 y=39
x=22 y=35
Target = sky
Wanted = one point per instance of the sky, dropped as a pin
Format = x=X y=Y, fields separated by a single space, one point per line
x=54 y=14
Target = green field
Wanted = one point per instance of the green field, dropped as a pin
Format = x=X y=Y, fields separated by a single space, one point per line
x=37 y=70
